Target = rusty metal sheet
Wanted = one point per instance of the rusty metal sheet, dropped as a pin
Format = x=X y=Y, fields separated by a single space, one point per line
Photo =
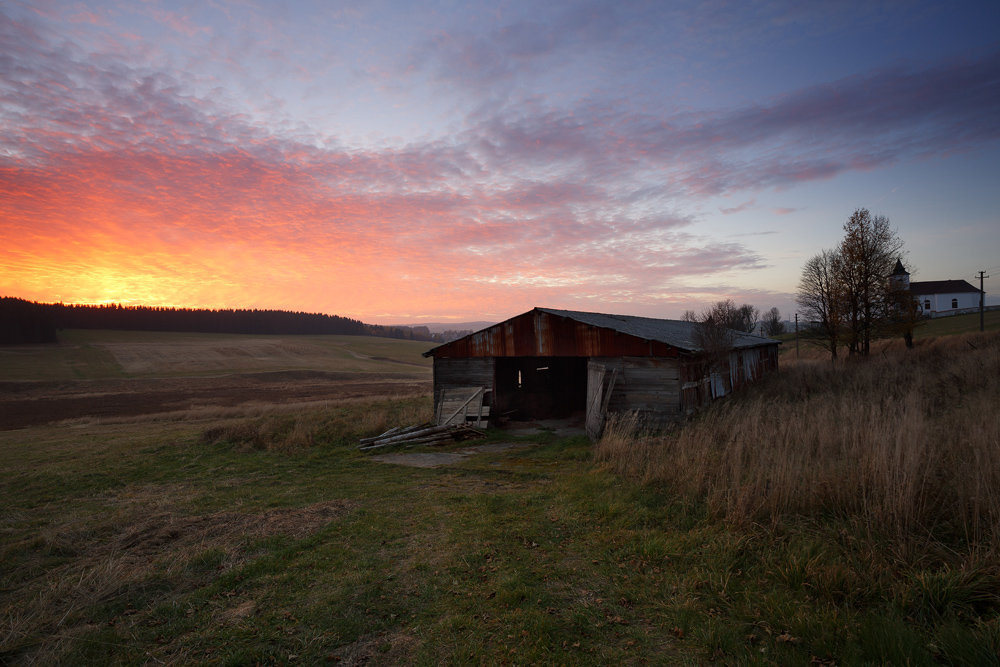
x=541 y=334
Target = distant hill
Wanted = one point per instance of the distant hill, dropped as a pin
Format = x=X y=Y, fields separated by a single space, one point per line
x=438 y=327
x=24 y=321
x=445 y=333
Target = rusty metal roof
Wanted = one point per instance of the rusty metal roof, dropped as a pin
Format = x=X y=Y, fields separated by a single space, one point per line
x=675 y=333
x=678 y=333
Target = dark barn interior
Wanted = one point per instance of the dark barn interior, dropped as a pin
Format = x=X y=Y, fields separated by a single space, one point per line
x=530 y=388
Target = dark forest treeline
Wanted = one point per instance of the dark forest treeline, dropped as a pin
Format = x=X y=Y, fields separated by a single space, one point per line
x=31 y=322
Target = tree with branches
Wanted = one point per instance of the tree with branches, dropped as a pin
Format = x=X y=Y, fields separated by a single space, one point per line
x=822 y=300
x=773 y=326
x=848 y=294
x=718 y=328
x=868 y=253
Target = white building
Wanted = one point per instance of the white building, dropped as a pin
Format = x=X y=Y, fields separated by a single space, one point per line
x=940 y=298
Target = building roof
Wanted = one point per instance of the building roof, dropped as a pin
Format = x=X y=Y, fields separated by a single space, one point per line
x=899 y=270
x=941 y=287
x=676 y=333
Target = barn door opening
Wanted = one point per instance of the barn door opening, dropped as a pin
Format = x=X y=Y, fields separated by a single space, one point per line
x=529 y=388
x=600 y=385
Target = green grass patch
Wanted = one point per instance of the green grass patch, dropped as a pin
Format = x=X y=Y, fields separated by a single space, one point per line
x=957 y=324
x=57 y=363
x=928 y=328
x=125 y=545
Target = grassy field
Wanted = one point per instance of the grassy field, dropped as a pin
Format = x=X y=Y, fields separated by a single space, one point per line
x=93 y=355
x=929 y=328
x=959 y=324
x=272 y=540
x=124 y=546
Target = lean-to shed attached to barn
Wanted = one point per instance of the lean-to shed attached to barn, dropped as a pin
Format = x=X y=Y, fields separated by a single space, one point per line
x=549 y=363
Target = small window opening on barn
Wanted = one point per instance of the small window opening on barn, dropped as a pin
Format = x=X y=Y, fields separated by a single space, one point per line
x=954 y=303
x=519 y=379
x=927 y=304
x=543 y=368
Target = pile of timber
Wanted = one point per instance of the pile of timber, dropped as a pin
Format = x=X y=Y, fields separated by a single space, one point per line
x=422 y=434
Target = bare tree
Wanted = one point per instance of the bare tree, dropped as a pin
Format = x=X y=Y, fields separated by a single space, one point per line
x=715 y=342
x=822 y=300
x=719 y=326
x=868 y=254
x=905 y=313
x=727 y=314
x=746 y=318
x=689 y=316
x=773 y=326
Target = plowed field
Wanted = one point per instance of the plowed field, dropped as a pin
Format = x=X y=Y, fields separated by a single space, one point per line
x=154 y=373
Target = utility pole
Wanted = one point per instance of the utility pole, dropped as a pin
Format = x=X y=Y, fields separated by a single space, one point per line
x=796 y=335
x=982 y=302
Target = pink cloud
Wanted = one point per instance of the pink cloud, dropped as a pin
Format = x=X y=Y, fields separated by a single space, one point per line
x=739 y=208
x=117 y=180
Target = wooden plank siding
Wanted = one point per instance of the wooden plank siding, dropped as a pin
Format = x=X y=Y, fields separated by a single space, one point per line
x=649 y=385
x=457 y=373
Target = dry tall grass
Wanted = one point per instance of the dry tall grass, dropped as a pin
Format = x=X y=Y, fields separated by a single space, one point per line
x=283 y=430
x=907 y=441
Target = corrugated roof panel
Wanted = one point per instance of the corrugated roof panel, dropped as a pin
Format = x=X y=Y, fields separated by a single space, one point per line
x=678 y=333
x=571 y=333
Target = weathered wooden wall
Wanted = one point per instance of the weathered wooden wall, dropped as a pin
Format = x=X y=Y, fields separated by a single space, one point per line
x=654 y=378
x=457 y=372
x=746 y=366
x=649 y=385
x=750 y=364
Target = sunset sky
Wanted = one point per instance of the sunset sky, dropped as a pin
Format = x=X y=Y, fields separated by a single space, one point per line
x=400 y=162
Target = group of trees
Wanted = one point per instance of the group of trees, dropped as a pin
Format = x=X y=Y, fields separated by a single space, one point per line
x=728 y=315
x=24 y=321
x=721 y=324
x=848 y=294
x=772 y=323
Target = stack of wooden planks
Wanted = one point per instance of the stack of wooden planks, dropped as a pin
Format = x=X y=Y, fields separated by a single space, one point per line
x=422 y=434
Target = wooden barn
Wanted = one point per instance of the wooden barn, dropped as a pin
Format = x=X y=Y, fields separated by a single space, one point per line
x=550 y=363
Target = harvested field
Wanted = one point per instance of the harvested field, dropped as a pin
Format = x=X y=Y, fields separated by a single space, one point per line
x=24 y=404
x=111 y=375
x=95 y=355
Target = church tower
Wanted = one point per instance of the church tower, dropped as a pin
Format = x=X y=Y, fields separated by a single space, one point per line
x=900 y=277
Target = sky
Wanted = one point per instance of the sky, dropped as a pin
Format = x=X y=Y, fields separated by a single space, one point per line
x=407 y=162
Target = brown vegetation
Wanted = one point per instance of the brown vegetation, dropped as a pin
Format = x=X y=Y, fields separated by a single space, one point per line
x=144 y=541
x=25 y=404
x=276 y=431
x=907 y=442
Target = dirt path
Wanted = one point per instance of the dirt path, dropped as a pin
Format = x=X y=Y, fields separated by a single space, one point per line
x=437 y=459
